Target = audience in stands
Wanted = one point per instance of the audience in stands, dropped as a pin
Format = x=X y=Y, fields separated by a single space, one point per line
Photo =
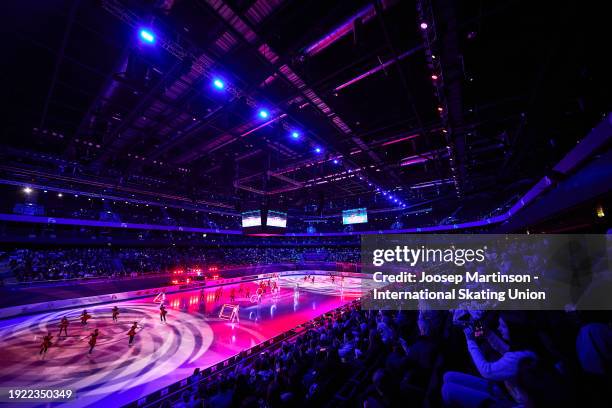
x=74 y=263
x=395 y=359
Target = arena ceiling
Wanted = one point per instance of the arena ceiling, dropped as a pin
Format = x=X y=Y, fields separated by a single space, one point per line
x=389 y=104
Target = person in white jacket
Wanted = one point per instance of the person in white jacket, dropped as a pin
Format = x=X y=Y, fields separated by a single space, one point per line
x=515 y=344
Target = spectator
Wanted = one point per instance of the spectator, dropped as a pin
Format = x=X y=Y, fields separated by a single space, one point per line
x=467 y=390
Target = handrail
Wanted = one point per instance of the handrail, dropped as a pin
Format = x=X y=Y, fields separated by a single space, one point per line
x=178 y=387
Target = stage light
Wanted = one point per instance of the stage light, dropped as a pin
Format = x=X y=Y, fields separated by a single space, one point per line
x=424 y=26
x=263 y=114
x=60 y=195
x=440 y=109
x=434 y=77
x=147 y=36
x=27 y=190
x=318 y=150
x=295 y=134
x=219 y=84
x=336 y=161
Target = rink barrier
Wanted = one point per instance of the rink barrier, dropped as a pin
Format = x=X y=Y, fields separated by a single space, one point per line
x=122 y=296
x=176 y=389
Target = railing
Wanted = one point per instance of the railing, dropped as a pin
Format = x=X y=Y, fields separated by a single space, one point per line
x=173 y=391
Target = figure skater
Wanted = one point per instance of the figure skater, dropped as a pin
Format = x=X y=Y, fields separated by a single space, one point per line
x=84 y=317
x=63 y=326
x=162 y=313
x=115 y=314
x=233 y=295
x=93 y=337
x=132 y=333
x=46 y=343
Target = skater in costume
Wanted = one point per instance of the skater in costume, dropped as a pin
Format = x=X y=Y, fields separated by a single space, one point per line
x=115 y=314
x=162 y=313
x=84 y=317
x=46 y=343
x=93 y=337
x=63 y=326
x=132 y=333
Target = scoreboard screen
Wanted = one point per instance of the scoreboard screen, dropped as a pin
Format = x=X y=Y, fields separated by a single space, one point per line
x=251 y=219
x=277 y=219
x=355 y=216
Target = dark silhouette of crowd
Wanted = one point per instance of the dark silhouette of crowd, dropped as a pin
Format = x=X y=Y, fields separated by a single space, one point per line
x=430 y=358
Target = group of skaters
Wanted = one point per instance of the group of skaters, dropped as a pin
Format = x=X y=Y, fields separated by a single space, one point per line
x=244 y=291
x=92 y=338
x=332 y=279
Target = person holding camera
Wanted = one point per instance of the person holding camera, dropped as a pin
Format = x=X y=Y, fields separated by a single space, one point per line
x=497 y=381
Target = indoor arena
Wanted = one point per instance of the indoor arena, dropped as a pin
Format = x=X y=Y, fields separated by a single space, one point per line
x=301 y=204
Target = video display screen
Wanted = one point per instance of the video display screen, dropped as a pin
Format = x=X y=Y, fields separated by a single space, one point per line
x=277 y=219
x=355 y=216
x=251 y=219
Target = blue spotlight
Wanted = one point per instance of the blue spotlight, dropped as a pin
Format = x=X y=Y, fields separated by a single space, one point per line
x=336 y=161
x=263 y=114
x=295 y=134
x=219 y=84
x=147 y=36
x=318 y=150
